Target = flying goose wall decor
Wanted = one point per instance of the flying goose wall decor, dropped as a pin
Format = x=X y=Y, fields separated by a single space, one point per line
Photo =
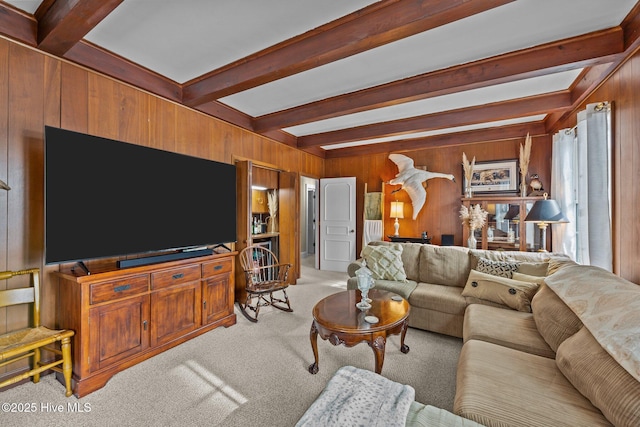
x=411 y=180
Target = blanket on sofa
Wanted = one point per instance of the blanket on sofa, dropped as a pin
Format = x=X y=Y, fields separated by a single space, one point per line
x=355 y=397
x=608 y=306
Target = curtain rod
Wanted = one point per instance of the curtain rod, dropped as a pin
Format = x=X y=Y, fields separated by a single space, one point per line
x=599 y=107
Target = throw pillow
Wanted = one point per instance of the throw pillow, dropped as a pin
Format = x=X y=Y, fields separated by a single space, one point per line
x=533 y=268
x=510 y=293
x=385 y=262
x=497 y=268
x=528 y=278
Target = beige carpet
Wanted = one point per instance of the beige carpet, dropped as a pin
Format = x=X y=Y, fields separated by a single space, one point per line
x=245 y=375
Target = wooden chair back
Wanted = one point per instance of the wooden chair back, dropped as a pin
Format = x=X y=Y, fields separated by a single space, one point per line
x=26 y=343
x=27 y=295
x=262 y=268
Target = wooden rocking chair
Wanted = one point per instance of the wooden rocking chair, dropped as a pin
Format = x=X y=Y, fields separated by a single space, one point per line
x=28 y=342
x=264 y=276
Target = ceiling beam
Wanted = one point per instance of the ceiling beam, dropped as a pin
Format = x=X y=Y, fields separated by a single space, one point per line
x=371 y=27
x=576 y=52
x=522 y=107
x=446 y=140
x=17 y=25
x=65 y=22
x=103 y=61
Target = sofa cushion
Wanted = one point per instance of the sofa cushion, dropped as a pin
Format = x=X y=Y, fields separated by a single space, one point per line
x=497 y=268
x=554 y=320
x=508 y=328
x=445 y=299
x=499 y=290
x=558 y=262
x=385 y=262
x=600 y=378
x=444 y=265
x=500 y=386
x=528 y=278
x=534 y=257
x=533 y=268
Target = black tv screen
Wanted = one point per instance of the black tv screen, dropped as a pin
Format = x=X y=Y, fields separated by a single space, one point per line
x=106 y=198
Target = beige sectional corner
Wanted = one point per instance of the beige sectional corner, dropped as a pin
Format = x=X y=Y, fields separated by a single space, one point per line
x=572 y=361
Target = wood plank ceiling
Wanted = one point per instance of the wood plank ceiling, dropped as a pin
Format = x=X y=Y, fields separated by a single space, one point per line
x=339 y=78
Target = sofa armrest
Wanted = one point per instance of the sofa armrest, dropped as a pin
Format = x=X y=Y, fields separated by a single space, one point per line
x=353 y=267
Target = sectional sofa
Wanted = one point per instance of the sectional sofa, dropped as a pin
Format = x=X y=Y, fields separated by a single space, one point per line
x=546 y=342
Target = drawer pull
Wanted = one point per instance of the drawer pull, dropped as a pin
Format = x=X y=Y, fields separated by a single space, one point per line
x=121 y=288
x=217 y=267
x=178 y=276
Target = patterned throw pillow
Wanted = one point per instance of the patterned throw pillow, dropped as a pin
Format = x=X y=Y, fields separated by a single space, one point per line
x=497 y=290
x=497 y=268
x=385 y=262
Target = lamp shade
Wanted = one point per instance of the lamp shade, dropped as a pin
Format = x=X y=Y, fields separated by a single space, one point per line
x=397 y=210
x=547 y=211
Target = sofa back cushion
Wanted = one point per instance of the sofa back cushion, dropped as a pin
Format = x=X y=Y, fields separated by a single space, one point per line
x=554 y=320
x=444 y=265
x=595 y=374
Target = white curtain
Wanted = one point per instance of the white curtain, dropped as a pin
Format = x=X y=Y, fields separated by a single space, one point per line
x=589 y=175
x=563 y=190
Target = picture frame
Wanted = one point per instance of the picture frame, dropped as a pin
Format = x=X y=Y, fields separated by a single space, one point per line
x=494 y=177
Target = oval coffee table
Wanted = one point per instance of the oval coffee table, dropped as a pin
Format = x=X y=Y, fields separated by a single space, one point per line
x=337 y=319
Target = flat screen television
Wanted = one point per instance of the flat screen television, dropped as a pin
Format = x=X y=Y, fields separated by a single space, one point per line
x=106 y=198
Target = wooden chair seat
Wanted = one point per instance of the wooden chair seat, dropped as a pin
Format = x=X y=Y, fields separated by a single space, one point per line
x=28 y=342
x=29 y=338
x=264 y=275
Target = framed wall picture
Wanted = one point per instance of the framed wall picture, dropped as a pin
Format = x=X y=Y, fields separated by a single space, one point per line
x=501 y=176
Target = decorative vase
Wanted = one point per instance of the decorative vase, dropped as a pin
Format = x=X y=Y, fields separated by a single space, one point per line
x=523 y=188
x=472 y=243
x=468 y=193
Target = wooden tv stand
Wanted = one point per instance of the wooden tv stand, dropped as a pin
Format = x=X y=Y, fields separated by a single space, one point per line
x=122 y=317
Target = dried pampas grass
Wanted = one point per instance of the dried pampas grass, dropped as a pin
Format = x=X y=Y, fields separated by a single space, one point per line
x=468 y=167
x=525 y=155
x=473 y=217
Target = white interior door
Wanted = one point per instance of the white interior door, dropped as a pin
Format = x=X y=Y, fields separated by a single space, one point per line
x=337 y=223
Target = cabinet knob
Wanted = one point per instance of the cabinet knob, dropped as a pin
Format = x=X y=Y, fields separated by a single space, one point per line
x=144 y=325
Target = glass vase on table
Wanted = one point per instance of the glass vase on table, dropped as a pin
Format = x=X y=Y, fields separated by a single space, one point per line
x=365 y=282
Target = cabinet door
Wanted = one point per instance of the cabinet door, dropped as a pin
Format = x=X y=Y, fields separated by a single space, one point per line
x=118 y=330
x=217 y=298
x=175 y=311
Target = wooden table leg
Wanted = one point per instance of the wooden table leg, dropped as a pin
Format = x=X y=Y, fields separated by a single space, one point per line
x=313 y=336
x=378 y=345
x=404 y=348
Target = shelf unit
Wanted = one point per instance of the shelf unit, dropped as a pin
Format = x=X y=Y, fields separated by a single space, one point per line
x=504 y=215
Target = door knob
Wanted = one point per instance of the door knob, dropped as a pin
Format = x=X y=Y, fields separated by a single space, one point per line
x=351 y=231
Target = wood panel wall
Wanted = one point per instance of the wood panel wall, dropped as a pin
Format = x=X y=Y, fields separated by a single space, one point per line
x=440 y=214
x=38 y=90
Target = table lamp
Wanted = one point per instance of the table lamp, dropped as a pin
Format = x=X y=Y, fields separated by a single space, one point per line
x=397 y=211
x=545 y=212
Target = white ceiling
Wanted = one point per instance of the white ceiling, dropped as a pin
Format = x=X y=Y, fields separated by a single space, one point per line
x=188 y=38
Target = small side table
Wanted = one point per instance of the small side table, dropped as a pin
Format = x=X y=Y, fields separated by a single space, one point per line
x=337 y=319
